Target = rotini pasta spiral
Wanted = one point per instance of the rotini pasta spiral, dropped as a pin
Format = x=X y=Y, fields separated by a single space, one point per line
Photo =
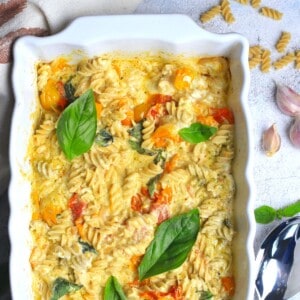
x=266 y=60
x=226 y=11
x=284 y=61
x=254 y=61
x=210 y=14
x=297 y=60
x=283 y=41
x=271 y=13
x=255 y=3
x=255 y=51
x=245 y=2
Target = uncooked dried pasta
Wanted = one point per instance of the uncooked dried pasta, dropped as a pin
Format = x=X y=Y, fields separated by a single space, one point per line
x=266 y=60
x=254 y=61
x=94 y=216
x=255 y=51
x=255 y=3
x=226 y=11
x=271 y=13
x=297 y=60
x=242 y=1
x=255 y=56
x=283 y=41
x=284 y=61
x=210 y=14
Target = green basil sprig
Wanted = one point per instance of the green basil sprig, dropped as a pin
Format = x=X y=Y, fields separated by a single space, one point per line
x=197 y=133
x=76 y=128
x=62 y=287
x=173 y=241
x=113 y=290
x=266 y=214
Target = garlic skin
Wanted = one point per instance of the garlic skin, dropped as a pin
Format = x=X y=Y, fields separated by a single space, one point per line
x=271 y=140
x=288 y=100
x=295 y=132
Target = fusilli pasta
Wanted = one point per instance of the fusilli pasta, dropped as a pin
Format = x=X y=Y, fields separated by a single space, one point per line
x=297 y=59
x=284 y=61
x=95 y=215
x=210 y=14
x=283 y=41
x=226 y=11
x=245 y=2
x=255 y=3
x=271 y=13
x=266 y=60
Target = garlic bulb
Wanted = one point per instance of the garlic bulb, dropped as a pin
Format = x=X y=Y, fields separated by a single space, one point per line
x=271 y=140
x=288 y=100
x=295 y=132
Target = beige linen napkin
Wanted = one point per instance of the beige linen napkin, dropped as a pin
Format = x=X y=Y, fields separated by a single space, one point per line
x=37 y=17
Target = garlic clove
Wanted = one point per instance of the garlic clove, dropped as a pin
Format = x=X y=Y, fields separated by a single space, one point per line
x=288 y=100
x=271 y=140
x=295 y=132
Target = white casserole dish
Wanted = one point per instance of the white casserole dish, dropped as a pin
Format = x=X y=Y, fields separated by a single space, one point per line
x=176 y=34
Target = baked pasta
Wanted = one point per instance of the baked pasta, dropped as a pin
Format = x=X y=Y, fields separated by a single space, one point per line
x=132 y=154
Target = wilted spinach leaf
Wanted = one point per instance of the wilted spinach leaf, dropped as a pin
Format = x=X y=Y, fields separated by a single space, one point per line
x=87 y=247
x=69 y=91
x=103 y=138
x=62 y=287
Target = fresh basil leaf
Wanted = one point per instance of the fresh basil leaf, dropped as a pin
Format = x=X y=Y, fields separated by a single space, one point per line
x=205 y=295
x=87 y=247
x=151 y=184
x=103 y=138
x=77 y=125
x=62 y=287
x=69 y=91
x=113 y=290
x=265 y=214
x=197 y=133
x=173 y=241
x=289 y=211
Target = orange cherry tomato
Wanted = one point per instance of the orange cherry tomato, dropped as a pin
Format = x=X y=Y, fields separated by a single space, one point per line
x=223 y=115
x=52 y=97
x=175 y=292
x=136 y=203
x=164 y=133
x=228 y=284
x=76 y=205
x=183 y=78
x=153 y=103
